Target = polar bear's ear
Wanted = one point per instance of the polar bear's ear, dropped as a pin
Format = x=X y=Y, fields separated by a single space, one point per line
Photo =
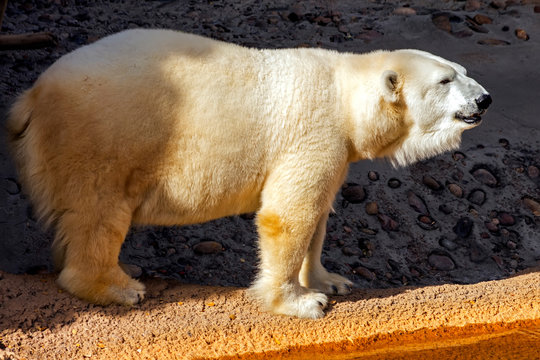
x=390 y=85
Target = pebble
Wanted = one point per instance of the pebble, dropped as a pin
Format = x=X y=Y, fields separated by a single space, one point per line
x=448 y=244
x=394 y=183
x=533 y=205
x=414 y=272
x=455 y=189
x=348 y=251
x=513 y=263
x=522 y=34
x=506 y=219
x=407 y=11
x=387 y=223
x=504 y=143
x=11 y=186
x=472 y=5
x=482 y=19
x=511 y=245
x=493 y=42
x=373 y=175
x=477 y=197
x=442 y=22
x=492 y=227
x=477 y=253
x=475 y=27
x=426 y=222
x=417 y=203
x=441 y=262
x=533 y=171
x=354 y=194
x=485 y=177
x=372 y=208
x=458 y=155
x=463 y=227
x=365 y=273
x=208 y=247
x=431 y=183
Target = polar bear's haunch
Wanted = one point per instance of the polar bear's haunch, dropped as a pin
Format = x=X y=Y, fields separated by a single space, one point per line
x=161 y=127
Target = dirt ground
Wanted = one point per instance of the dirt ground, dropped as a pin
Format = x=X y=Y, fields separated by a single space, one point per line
x=465 y=217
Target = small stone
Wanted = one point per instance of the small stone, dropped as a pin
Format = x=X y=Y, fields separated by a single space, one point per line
x=455 y=189
x=414 y=272
x=348 y=251
x=11 y=186
x=406 y=11
x=493 y=42
x=533 y=171
x=522 y=34
x=505 y=219
x=462 y=34
x=365 y=273
x=207 y=247
x=498 y=260
x=322 y=20
x=448 y=244
x=343 y=29
x=445 y=209
x=441 y=262
x=417 y=203
x=463 y=227
x=492 y=227
x=372 y=208
x=387 y=223
x=477 y=197
x=373 y=175
x=394 y=183
x=513 y=263
x=484 y=235
x=431 y=183
x=477 y=253
x=511 y=245
x=475 y=27
x=458 y=155
x=533 y=205
x=472 y=5
x=485 y=177
x=442 y=22
x=481 y=19
x=498 y=4
x=354 y=194
x=426 y=222
x=504 y=143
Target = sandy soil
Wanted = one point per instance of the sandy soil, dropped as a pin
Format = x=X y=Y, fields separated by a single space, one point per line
x=482 y=202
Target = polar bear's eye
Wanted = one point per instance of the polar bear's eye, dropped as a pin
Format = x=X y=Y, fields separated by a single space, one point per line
x=445 y=81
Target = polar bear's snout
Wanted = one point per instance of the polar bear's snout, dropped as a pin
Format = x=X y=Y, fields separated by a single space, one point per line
x=483 y=102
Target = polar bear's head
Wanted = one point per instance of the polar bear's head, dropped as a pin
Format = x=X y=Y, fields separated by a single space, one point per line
x=433 y=101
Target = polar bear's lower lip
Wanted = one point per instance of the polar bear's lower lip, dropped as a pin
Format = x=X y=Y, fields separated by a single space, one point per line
x=473 y=119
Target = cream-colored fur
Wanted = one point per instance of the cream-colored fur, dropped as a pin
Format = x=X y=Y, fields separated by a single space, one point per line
x=161 y=127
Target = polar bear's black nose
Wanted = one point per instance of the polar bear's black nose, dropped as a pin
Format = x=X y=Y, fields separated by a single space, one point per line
x=483 y=101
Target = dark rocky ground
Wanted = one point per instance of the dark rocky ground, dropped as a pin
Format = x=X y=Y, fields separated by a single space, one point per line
x=462 y=217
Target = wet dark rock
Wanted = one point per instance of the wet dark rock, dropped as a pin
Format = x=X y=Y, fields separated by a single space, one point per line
x=455 y=189
x=365 y=273
x=432 y=183
x=207 y=247
x=476 y=27
x=11 y=186
x=463 y=227
x=485 y=177
x=406 y=11
x=441 y=262
x=504 y=143
x=393 y=265
x=493 y=42
x=477 y=253
x=462 y=33
x=511 y=245
x=349 y=251
x=506 y=219
x=426 y=222
x=387 y=223
x=492 y=227
x=445 y=209
x=394 y=183
x=458 y=156
x=533 y=171
x=442 y=22
x=498 y=4
x=373 y=175
x=448 y=244
x=532 y=205
x=354 y=194
x=372 y=208
x=477 y=197
x=417 y=203
x=482 y=19
x=366 y=246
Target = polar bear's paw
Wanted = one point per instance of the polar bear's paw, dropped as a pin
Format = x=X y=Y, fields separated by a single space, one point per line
x=328 y=283
x=309 y=305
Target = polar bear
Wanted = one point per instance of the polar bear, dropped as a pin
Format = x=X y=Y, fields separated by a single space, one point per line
x=162 y=127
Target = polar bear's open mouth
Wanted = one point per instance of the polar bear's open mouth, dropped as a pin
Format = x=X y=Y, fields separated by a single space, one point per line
x=471 y=119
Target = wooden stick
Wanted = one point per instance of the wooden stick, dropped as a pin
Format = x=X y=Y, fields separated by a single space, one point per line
x=3 y=5
x=26 y=41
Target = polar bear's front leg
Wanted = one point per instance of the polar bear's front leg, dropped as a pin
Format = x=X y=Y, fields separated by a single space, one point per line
x=284 y=240
x=313 y=275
